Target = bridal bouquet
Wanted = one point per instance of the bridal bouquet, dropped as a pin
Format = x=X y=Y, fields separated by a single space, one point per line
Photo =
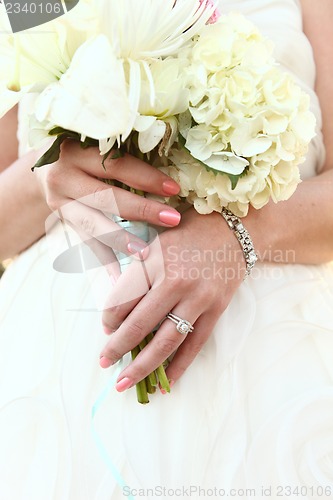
x=193 y=92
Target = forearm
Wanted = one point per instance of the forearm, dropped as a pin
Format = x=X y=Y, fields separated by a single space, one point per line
x=299 y=230
x=24 y=209
x=317 y=25
x=8 y=139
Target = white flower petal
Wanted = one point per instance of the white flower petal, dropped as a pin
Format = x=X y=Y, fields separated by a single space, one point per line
x=145 y=29
x=148 y=139
x=303 y=125
x=73 y=102
x=227 y=162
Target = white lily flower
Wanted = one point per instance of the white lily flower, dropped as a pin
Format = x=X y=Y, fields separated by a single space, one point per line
x=74 y=104
x=9 y=98
x=32 y=59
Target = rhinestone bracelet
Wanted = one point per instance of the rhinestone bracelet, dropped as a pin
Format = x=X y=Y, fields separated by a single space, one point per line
x=243 y=238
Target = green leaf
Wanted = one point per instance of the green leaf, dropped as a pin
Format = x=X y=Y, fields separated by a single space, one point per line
x=57 y=131
x=182 y=141
x=88 y=143
x=52 y=154
x=113 y=154
x=234 y=180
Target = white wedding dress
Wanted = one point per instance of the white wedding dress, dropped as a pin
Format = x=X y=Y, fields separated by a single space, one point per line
x=254 y=410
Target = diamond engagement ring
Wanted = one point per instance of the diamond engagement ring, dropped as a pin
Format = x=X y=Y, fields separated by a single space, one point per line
x=182 y=325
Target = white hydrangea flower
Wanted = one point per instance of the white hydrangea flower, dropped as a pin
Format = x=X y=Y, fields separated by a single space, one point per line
x=245 y=108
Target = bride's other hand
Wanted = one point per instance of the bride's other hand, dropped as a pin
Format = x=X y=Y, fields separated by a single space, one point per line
x=73 y=188
x=23 y=208
x=195 y=276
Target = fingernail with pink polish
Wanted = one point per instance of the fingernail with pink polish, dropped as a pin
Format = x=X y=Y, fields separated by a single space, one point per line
x=105 y=362
x=123 y=384
x=107 y=330
x=169 y=217
x=171 y=383
x=137 y=248
x=170 y=187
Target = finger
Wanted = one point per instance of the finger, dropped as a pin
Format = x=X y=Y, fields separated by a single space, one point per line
x=114 y=200
x=104 y=255
x=124 y=298
x=96 y=225
x=188 y=351
x=141 y=175
x=133 y=284
x=165 y=343
x=128 y=169
x=142 y=320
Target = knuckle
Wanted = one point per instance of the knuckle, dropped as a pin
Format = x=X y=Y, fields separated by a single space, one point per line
x=144 y=209
x=67 y=147
x=53 y=179
x=139 y=372
x=219 y=306
x=175 y=279
x=113 y=354
x=195 y=349
x=52 y=201
x=114 y=311
x=87 y=224
x=166 y=345
x=113 y=164
x=112 y=317
x=179 y=370
x=101 y=197
x=118 y=239
x=135 y=330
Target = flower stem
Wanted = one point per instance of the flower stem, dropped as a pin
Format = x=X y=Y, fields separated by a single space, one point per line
x=151 y=379
x=150 y=387
x=141 y=387
x=163 y=379
x=159 y=374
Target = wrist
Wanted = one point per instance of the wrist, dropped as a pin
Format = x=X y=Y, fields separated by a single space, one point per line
x=244 y=239
x=264 y=231
x=221 y=246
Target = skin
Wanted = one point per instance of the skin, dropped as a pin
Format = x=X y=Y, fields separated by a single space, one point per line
x=171 y=287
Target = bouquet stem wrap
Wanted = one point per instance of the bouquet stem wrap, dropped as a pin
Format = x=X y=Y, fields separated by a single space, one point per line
x=157 y=377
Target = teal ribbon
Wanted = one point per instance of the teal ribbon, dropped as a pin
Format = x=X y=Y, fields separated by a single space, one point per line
x=98 y=441
x=140 y=229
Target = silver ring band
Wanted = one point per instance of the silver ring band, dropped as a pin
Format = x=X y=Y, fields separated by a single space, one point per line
x=183 y=326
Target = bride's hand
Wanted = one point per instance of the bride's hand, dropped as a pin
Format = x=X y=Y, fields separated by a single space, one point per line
x=192 y=270
x=73 y=187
